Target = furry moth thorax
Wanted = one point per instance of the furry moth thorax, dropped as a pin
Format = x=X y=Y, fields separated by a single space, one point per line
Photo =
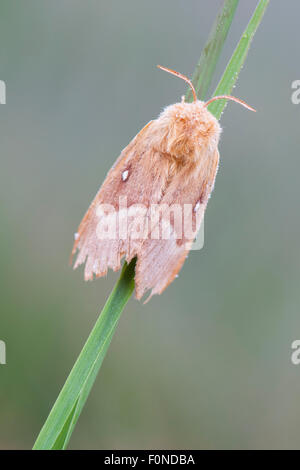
x=189 y=131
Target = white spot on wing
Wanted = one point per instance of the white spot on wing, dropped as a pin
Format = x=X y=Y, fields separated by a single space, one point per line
x=197 y=206
x=125 y=175
x=76 y=236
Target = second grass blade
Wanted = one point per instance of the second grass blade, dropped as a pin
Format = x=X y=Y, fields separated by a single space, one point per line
x=206 y=66
x=237 y=60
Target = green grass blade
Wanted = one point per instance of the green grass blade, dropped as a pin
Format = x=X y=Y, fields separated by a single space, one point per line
x=62 y=438
x=65 y=412
x=237 y=60
x=211 y=52
x=87 y=386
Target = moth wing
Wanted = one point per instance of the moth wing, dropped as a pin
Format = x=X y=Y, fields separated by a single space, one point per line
x=135 y=177
x=159 y=261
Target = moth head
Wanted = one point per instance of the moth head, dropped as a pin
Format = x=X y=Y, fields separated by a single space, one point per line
x=190 y=128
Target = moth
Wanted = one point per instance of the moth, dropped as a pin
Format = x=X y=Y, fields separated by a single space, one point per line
x=168 y=168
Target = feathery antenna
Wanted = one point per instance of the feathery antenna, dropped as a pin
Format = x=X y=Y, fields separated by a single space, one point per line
x=229 y=97
x=183 y=77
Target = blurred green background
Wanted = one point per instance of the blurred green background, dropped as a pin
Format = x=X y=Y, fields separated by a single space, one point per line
x=207 y=364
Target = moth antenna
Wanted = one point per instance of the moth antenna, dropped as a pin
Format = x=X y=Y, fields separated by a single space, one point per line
x=229 y=97
x=183 y=77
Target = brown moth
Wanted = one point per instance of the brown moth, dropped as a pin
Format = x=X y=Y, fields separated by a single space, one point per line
x=170 y=164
